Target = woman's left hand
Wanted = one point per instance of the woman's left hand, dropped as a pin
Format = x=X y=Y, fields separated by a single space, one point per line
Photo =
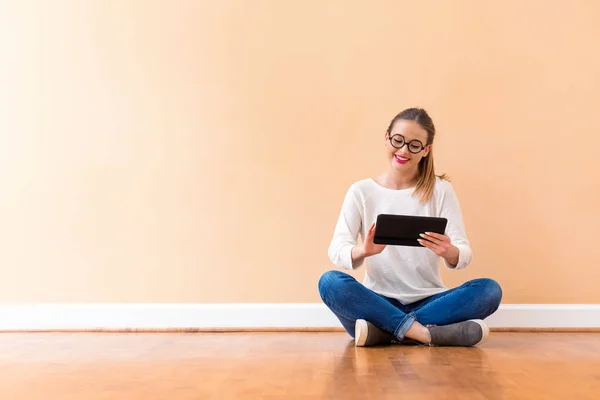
x=439 y=244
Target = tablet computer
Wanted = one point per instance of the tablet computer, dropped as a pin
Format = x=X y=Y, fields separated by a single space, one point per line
x=404 y=230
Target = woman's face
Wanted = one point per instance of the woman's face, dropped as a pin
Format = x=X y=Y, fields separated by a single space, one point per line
x=406 y=145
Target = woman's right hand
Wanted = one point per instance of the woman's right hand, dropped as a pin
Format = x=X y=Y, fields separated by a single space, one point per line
x=370 y=248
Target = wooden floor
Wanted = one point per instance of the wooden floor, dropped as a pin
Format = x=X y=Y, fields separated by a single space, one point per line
x=293 y=366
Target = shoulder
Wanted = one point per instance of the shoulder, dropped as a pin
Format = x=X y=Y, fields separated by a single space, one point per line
x=362 y=185
x=443 y=185
x=443 y=189
x=361 y=189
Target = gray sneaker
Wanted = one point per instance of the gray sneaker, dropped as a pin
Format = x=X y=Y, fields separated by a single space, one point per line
x=466 y=333
x=367 y=334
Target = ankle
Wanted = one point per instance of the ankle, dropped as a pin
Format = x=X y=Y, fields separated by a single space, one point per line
x=418 y=332
x=425 y=335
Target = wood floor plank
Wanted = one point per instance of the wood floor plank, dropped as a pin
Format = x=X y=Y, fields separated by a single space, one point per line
x=301 y=365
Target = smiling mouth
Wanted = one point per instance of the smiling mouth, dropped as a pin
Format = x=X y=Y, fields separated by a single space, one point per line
x=400 y=159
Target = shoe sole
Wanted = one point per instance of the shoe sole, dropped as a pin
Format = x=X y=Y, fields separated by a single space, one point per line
x=484 y=329
x=361 y=332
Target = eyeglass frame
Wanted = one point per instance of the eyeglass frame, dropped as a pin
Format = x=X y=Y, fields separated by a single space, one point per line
x=423 y=146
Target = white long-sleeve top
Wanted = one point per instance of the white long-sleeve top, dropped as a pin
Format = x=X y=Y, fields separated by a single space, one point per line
x=405 y=273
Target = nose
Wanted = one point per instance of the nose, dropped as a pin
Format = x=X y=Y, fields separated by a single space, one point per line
x=403 y=151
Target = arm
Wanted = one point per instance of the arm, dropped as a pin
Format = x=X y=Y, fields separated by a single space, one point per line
x=451 y=257
x=459 y=254
x=368 y=248
x=358 y=256
x=343 y=250
x=453 y=246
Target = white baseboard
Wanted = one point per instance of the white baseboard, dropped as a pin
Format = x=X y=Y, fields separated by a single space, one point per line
x=36 y=317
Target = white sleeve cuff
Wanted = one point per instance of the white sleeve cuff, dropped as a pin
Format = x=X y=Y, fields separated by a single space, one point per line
x=464 y=258
x=347 y=258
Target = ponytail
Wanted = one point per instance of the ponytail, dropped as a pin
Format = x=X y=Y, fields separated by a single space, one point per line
x=426 y=181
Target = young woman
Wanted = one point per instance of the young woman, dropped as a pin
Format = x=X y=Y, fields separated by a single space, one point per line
x=403 y=298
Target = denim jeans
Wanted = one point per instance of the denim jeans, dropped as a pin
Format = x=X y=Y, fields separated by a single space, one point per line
x=349 y=300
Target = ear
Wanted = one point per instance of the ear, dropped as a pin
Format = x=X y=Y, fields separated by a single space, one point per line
x=427 y=150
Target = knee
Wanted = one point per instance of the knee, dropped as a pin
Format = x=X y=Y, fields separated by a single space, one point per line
x=491 y=293
x=330 y=282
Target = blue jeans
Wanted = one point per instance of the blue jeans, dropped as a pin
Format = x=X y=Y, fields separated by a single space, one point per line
x=349 y=300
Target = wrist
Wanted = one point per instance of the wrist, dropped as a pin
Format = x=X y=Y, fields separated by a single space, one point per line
x=357 y=254
x=362 y=253
x=451 y=255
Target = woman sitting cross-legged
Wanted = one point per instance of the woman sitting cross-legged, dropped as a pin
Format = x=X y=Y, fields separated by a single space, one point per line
x=402 y=297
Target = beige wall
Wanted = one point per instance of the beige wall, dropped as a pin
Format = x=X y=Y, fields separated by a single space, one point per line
x=199 y=151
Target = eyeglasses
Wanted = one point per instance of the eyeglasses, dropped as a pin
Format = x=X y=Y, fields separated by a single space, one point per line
x=414 y=146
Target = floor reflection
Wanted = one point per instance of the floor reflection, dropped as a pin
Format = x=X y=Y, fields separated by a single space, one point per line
x=418 y=371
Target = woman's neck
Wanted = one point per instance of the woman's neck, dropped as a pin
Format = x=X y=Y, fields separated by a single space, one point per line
x=398 y=181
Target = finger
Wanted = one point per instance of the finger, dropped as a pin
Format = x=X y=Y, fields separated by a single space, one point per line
x=371 y=233
x=439 y=239
x=434 y=235
x=425 y=243
x=430 y=238
x=430 y=245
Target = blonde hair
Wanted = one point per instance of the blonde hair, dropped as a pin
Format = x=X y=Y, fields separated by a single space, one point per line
x=427 y=177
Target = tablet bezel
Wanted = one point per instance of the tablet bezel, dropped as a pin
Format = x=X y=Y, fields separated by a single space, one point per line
x=406 y=234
